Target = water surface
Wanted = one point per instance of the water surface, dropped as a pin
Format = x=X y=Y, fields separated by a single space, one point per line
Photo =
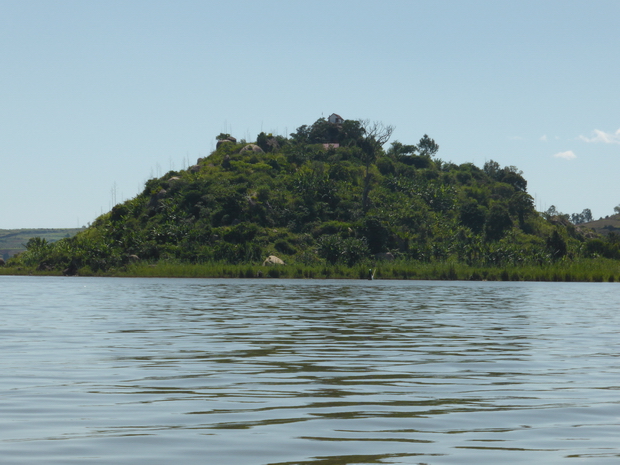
x=162 y=371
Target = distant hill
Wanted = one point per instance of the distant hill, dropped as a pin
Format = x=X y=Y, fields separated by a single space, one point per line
x=605 y=225
x=13 y=241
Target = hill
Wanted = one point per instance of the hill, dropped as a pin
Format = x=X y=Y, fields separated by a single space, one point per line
x=13 y=241
x=605 y=225
x=330 y=194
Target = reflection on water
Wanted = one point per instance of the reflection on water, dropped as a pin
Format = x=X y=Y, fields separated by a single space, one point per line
x=155 y=371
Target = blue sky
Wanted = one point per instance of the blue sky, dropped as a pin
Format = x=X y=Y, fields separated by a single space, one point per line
x=96 y=97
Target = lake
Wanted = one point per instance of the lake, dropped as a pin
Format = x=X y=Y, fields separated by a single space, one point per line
x=258 y=371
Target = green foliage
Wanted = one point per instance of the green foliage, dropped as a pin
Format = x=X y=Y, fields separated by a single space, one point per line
x=498 y=222
x=557 y=246
x=348 y=251
x=473 y=215
x=327 y=210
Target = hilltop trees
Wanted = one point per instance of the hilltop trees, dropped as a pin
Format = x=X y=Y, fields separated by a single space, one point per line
x=584 y=217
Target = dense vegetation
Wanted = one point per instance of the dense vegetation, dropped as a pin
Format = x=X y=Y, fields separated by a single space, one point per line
x=330 y=195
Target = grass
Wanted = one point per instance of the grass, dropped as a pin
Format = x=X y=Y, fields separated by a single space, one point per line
x=583 y=270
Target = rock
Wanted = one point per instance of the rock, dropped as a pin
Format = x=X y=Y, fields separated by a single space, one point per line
x=272 y=260
x=156 y=198
x=388 y=257
x=230 y=140
x=133 y=258
x=195 y=168
x=252 y=147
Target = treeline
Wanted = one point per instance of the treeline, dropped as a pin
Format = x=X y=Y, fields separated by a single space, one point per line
x=330 y=194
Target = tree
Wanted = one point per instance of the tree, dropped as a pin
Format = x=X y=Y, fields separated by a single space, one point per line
x=473 y=216
x=350 y=132
x=498 y=221
x=556 y=245
x=617 y=209
x=553 y=212
x=322 y=131
x=377 y=135
x=376 y=132
x=514 y=177
x=427 y=146
x=584 y=217
x=492 y=169
x=397 y=149
x=521 y=204
x=302 y=135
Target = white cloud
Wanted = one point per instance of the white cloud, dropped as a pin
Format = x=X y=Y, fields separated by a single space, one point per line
x=605 y=137
x=568 y=155
x=544 y=138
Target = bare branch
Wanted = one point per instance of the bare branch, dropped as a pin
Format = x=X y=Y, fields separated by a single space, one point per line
x=377 y=131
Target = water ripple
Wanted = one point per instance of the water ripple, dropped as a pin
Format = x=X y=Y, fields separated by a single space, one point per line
x=139 y=371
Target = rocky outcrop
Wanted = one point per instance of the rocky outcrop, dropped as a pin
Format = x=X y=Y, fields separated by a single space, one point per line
x=229 y=140
x=252 y=147
x=273 y=260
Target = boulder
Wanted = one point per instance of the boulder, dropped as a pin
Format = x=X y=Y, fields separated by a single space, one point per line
x=253 y=148
x=230 y=140
x=273 y=260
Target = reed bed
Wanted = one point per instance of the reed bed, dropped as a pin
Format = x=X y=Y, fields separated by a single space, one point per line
x=582 y=270
x=586 y=270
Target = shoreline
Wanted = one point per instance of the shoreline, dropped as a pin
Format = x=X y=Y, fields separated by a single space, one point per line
x=584 y=270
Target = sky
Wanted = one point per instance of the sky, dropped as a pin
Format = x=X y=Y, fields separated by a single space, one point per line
x=97 y=97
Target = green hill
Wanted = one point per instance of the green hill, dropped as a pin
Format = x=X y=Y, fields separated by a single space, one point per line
x=328 y=195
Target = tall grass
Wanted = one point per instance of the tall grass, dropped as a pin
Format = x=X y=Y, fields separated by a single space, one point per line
x=582 y=270
x=585 y=270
